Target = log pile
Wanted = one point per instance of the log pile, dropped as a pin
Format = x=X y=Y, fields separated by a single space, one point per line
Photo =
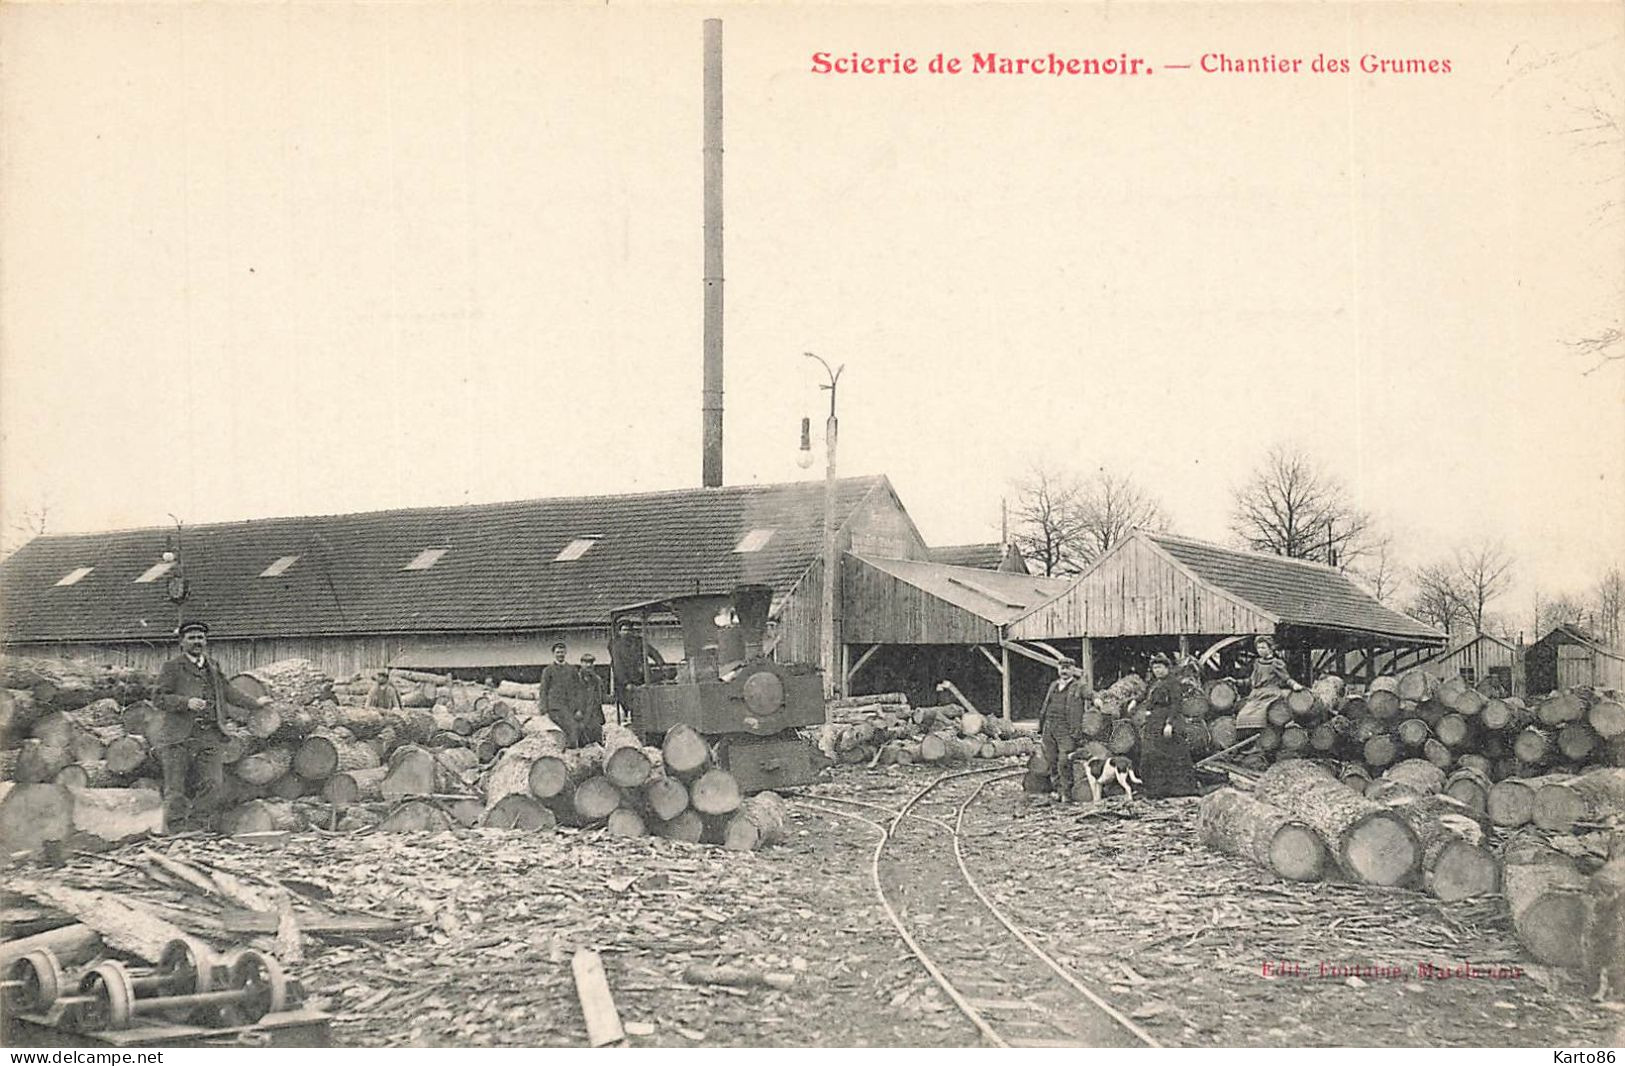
x=1476 y=739
x=86 y=765
x=884 y=730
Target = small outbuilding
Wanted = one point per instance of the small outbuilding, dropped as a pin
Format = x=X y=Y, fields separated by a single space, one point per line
x=1569 y=656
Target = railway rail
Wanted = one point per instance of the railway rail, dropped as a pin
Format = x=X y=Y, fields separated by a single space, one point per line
x=1008 y=987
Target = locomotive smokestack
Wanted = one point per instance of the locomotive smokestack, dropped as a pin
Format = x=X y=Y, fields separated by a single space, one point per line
x=711 y=394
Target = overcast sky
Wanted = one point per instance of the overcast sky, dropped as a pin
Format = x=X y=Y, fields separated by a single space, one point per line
x=316 y=258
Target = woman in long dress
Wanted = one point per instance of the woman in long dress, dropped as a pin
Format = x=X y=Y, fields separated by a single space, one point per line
x=1165 y=753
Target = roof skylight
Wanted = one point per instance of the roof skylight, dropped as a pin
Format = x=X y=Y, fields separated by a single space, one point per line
x=754 y=541
x=76 y=575
x=279 y=567
x=154 y=572
x=426 y=558
x=575 y=549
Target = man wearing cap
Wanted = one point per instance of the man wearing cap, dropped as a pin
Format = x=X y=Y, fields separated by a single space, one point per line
x=590 y=712
x=192 y=685
x=1060 y=726
x=560 y=695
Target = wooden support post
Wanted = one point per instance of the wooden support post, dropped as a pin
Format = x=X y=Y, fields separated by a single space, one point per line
x=1086 y=659
x=852 y=670
x=1184 y=645
x=1004 y=671
x=846 y=669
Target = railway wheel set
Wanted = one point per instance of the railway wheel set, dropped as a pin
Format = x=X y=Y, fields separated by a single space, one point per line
x=192 y=984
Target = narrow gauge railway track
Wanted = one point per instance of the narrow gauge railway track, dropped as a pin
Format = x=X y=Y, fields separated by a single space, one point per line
x=1003 y=982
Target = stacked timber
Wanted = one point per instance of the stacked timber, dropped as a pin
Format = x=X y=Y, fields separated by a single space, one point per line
x=1478 y=740
x=884 y=730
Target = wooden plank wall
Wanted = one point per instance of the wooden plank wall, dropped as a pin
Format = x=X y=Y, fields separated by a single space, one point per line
x=1138 y=592
x=797 y=620
x=881 y=609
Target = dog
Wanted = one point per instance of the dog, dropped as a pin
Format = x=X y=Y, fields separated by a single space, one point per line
x=1115 y=770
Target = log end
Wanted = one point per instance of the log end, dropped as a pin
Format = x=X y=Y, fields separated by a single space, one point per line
x=1380 y=849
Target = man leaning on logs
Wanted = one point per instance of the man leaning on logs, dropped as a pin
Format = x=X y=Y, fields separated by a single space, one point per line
x=1060 y=725
x=192 y=685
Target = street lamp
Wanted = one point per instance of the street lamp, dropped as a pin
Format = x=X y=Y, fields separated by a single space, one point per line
x=826 y=623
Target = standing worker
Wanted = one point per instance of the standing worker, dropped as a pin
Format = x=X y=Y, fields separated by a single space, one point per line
x=383 y=695
x=559 y=695
x=193 y=685
x=591 y=710
x=1165 y=752
x=1060 y=725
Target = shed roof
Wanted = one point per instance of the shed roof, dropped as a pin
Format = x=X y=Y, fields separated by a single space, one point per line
x=998 y=596
x=1577 y=635
x=1295 y=591
x=981 y=556
x=505 y=565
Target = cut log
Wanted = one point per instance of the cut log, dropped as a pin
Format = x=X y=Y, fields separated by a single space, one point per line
x=1355 y=776
x=595 y=799
x=628 y=766
x=413 y=771
x=519 y=811
x=1471 y=786
x=1269 y=739
x=1304 y=703
x=1511 y=802
x=356 y=786
x=1606 y=716
x=1576 y=741
x=970 y=724
x=1382 y=699
x=665 y=797
x=415 y=816
x=121 y=922
x=331 y=751
x=1235 y=823
x=1294 y=738
x=1534 y=746
x=1505 y=715
x=1413 y=732
x=1222 y=695
x=1455 y=863
x=73 y=945
x=1560 y=707
x=715 y=792
x=1469 y=702
x=558 y=774
x=290 y=786
x=933 y=748
x=1223 y=731
x=688 y=827
x=1438 y=754
x=509 y=777
x=266 y=766
x=626 y=822
x=1416 y=684
x=1592 y=797
x=1380 y=750
x=759 y=823
x=1279 y=712
x=1545 y=892
x=1124 y=738
x=260 y=816
x=296 y=681
x=1369 y=842
x=1453 y=731
x=1422 y=776
x=684 y=752
x=1603 y=941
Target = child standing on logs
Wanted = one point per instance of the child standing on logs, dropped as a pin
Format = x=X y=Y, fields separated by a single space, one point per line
x=1165 y=754
x=1060 y=725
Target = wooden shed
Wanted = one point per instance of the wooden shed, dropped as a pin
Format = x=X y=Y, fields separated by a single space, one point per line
x=1484 y=660
x=1569 y=656
x=1160 y=592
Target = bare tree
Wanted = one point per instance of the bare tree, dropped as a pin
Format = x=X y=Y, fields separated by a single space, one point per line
x=1609 y=595
x=1047 y=520
x=1381 y=572
x=1110 y=507
x=1483 y=574
x=1439 y=599
x=1562 y=608
x=31 y=522
x=1290 y=506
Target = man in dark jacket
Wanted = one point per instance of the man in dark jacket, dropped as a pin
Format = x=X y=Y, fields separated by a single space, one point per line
x=560 y=695
x=192 y=684
x=1060 y=726
x=590 y=713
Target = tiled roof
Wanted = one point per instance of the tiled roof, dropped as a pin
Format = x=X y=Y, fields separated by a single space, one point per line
x=498 y=571
x=982 y=556
x=1295 y=591
x=996 y=595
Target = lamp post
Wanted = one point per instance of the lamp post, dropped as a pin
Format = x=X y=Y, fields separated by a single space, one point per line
x=826 y=622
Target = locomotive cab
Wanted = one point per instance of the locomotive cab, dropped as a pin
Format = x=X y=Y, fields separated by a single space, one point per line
x=726 y=687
